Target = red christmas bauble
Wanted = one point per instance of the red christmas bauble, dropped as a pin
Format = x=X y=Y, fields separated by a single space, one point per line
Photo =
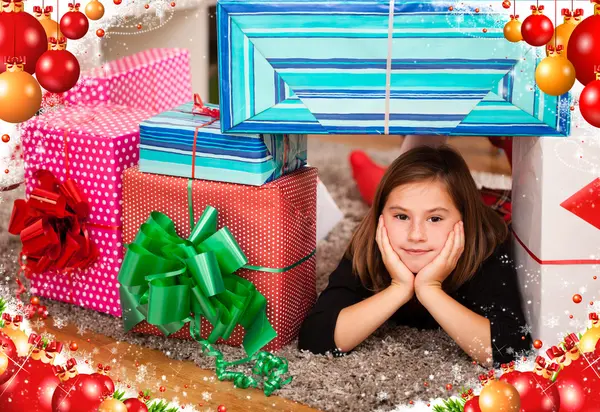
x=510 y=377
x=8 y=351
x=472 y=405
x=537 y=30
x=135 y=405
x=74 y=25
x=57 y=70
x=538 y=394
x=589 y=103
x=30 y=389
x=21 y=35
x=572 y=394
x=105 y=380
x=584 y=49
x=83 y=393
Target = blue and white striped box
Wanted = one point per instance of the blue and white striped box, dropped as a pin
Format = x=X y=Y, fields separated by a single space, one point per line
x=379 y=67
x=167 y=148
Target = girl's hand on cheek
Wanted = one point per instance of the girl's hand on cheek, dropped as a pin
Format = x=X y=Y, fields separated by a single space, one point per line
x=434 y=273
x=400 y=274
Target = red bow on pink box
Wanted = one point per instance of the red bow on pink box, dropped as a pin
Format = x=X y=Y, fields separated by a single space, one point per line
x=52 y=226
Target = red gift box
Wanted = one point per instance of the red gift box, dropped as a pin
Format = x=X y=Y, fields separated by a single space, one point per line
x=274 y=224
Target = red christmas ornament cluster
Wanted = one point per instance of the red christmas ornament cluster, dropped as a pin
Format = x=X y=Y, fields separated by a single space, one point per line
x=34 y=383
x=27 y=47
x=581 y=38
x=568 y=380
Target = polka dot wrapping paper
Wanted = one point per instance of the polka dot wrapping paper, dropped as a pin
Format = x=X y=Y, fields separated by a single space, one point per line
x=155 y=79
x=274 y=224
x=102 y=141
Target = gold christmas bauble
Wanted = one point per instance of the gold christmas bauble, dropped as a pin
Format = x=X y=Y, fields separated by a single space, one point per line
x=3 y=363
x=112 y=405
x=499 y=396
x=18 y=337
x=94 y=10
x=588 y=341
x=562 y=35
x=512 y=31
x=555 y=75
x=51 y=29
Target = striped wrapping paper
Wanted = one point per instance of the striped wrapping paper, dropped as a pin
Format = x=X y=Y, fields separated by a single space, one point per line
x=167 y=148
x=319 y=66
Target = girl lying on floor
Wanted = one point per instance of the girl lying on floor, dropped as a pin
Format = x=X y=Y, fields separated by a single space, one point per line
x=428 y=254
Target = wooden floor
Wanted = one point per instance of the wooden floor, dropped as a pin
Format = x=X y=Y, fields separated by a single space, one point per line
x=185 y=377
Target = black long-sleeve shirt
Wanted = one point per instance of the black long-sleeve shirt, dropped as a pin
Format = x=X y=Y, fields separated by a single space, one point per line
x=493 y=292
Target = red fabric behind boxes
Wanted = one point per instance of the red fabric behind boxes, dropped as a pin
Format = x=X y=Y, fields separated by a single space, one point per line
x=275 y=225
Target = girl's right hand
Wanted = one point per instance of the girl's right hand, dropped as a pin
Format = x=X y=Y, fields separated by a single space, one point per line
x=400 y=274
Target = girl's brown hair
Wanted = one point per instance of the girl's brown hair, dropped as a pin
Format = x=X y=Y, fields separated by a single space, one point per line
x=484 y=228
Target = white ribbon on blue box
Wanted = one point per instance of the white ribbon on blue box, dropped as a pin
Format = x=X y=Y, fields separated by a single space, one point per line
x=182 y=143
x=379 y=67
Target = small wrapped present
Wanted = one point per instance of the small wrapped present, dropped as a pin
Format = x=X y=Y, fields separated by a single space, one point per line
x=155 y=80
x=556 y=225
x=274 y=226
x=378 y=67
x=187 y=142
x=70 y=224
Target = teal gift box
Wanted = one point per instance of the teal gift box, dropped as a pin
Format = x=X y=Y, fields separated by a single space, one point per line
x=187 y=142
x=379 y=67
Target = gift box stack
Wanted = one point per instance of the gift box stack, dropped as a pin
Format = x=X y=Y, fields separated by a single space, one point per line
x=260 y=191
x=121 y=157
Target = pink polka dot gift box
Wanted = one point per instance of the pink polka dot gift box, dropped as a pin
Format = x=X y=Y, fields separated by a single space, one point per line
x=92 y=146
x=154 y=79
x=273 y=224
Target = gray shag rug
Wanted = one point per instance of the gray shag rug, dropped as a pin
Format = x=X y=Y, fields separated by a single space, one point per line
x=394 y=366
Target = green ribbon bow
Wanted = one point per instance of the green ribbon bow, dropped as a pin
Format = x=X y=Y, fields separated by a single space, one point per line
x=169 y=281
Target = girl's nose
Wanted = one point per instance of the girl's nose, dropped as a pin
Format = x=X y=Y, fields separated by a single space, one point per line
x=417 y=233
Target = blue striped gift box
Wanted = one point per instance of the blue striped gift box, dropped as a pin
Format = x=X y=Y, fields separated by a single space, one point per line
x=167 y=140
x=319 y=66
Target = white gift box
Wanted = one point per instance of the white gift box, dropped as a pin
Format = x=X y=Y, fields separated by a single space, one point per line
x=328 y=213
x=556 y=227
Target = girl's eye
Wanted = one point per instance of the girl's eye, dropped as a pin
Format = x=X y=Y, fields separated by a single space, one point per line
x=435 y=219
x=401 y=217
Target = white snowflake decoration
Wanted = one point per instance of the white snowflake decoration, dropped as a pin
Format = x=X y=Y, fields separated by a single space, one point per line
x=551 y=321
x=59 y=323
x=526 y=329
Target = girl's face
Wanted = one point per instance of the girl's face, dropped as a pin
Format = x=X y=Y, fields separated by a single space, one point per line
x=418 y=217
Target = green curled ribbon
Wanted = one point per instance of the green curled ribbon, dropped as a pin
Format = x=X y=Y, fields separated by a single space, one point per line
x=169 y=282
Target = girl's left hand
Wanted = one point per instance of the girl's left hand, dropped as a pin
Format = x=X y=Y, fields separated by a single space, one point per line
x=434 y=273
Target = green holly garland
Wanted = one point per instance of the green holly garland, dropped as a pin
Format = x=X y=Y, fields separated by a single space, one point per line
x=161 y=406
x=119 y=395
x=2 y=309
x=451 y=405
